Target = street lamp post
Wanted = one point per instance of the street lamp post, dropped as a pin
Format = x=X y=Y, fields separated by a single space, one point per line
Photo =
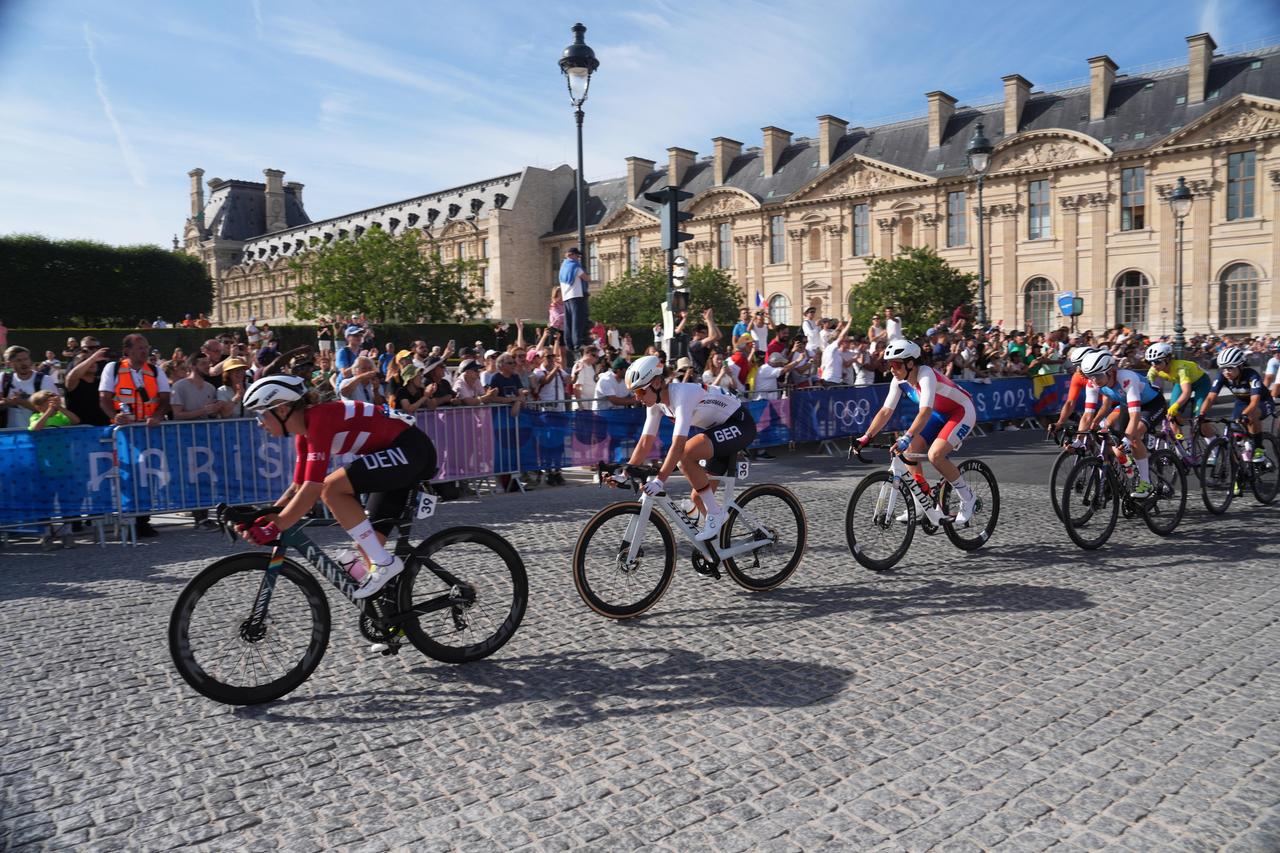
x=1180 y=203
x=578 y=63
x=979 y=158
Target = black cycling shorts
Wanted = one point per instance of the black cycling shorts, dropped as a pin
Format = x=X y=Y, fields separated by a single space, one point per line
x=388 y=476
x=1151 y=412
x=733 y=435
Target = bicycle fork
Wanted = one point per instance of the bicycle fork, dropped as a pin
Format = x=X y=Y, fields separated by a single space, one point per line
x=252 y=628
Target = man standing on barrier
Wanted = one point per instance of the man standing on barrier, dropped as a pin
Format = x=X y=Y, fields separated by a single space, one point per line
x=574 y=285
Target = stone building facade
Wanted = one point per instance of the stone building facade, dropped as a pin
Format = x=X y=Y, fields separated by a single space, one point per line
x=1074 y=201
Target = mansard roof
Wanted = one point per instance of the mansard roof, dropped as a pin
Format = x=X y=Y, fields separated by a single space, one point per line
x=1142 y=110
x=237 y=210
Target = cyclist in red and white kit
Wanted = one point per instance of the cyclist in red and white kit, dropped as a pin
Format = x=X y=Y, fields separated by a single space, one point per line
x=945 y=419
x=395 y=457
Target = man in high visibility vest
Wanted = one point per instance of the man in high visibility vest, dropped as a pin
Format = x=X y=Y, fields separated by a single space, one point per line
x=133 y=390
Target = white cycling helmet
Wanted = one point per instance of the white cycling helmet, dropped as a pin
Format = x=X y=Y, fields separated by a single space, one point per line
x=1159 y=352
x=1231 y=357
x=273 y=390
x=901 y=350
x=1097 y=363
x=1076 y=356
x=643 y=371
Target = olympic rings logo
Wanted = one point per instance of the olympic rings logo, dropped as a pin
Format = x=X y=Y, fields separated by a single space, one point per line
x=850 y=412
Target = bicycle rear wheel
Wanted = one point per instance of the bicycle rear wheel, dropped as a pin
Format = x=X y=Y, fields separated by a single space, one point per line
x=1090 y=504
x=876 y=538
x=1218 y=476
x=480 y=579
x=1266 y=473
x=609 y=584
x=223 y=656
x=1058 y=476
x=781 y=524
x=1163 y=511
x=986 y=510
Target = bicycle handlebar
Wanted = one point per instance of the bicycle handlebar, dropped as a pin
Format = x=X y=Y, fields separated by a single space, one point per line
x=636 y=474
x=228 y=517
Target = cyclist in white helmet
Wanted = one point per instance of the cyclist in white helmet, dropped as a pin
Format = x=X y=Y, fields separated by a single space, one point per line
x=727 y=427
x=1078 y=383
x=1189 y=384
x=1253 y=402
x=1136 y=400
x=946 y=417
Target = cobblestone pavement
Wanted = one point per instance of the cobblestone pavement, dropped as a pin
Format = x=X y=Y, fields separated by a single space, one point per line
x=1025 y=697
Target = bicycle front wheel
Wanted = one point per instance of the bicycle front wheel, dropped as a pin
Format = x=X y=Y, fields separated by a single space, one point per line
x=1266 y=472
x=1058 y=476
x=1163 y=511
x=986 y=508
x=1090 y=504
x=877 y=539
x=608 y=582
x=771 y=515
x=225 y=656
x=1218 y=476
x=471 y=591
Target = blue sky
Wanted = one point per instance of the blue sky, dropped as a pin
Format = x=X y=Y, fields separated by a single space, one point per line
x=105 y=106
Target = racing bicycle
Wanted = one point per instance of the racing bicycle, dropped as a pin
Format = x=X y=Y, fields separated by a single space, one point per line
x=1228 y=467
x=1098 y=489
x=252 y=627
x=887 y=506
x=625 y=556
x=1188 y=445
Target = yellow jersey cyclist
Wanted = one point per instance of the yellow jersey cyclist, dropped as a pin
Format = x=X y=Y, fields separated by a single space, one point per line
x=1136 y=399
x=945 y=418
x=1190 y=384
x=727 y=427
x=1253 y=403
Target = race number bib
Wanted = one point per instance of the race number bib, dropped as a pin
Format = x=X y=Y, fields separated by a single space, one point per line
x=426 y=505
x=744 y=468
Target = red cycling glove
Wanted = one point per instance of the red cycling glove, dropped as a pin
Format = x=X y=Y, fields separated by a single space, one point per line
x=264 y=533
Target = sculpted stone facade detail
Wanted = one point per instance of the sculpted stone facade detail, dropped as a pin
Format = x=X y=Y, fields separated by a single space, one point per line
x=887 y=224
x=1198 y=187
x=630 y=218
x=856 y=180
x=930 y=220
x=1037 y=156
x=1084 y=200
x=1245 y=121
x=721 y=203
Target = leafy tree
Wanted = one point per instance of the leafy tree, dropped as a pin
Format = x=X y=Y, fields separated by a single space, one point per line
x=635 y=299
x=386 y=277
x=922 y=285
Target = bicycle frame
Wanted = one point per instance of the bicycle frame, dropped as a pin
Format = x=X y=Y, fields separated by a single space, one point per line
x=688 y=527
x=923 y=500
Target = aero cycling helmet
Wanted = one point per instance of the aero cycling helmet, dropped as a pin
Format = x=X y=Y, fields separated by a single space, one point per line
x=1076 y=356
x=1097 y=363
x=643 y=371
x=1159 y=352
x=273 y=390
x=901 y=350
x=1231 y=357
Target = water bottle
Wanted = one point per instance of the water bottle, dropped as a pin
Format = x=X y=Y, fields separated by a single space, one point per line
x=351 y=560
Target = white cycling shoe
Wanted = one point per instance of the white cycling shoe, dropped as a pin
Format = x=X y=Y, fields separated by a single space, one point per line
x=712 y=528
x=967 y=506
x=378 y=578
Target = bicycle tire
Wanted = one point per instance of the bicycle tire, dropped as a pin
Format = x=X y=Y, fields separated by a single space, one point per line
x=1163 y=512
x=990 y=503
x=1058 y=475
x=1266 y=474
x=734 y=565
x=250 y=567
x=490 y=608
x=880 y=520
x=592 y=593
x=1097 y=496
x=1217 y=480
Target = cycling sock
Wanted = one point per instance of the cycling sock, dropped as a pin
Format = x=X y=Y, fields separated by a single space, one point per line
x=366 y=540
x=708 y=496
x=961 y=486
x=1144 y=468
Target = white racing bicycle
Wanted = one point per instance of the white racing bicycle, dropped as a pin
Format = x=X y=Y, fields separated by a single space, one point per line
x=626 y=555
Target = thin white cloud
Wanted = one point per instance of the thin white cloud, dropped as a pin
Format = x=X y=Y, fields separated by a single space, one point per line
x=257 y=17
x=1211 y=19
x=131 y=161
x=648 y=19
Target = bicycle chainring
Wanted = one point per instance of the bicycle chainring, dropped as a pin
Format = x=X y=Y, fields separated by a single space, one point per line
x=705 y=567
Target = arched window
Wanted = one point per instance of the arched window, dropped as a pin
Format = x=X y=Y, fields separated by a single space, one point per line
x=726 y=245
x=1238 y=297
x=815 y=244
x=1131 y=300
x=906 y=233
x=1037 y=304
x=593 y=260
x=779 y=309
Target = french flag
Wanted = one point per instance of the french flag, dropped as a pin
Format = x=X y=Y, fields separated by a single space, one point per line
x=759 y=299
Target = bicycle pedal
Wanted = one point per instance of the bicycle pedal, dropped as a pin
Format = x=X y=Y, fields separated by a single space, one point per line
x=385 y=649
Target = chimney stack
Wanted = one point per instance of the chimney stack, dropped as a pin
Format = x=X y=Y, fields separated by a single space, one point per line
x=275 y=200
x=1102 y=73
x=197 y=192
x=1200 y=56
x=830 y=129
x=679 y=161
x=1016 y=90
x=776 y=141
x=297 y=191
x=638 y=168
x=725 y=150
x=941 y=107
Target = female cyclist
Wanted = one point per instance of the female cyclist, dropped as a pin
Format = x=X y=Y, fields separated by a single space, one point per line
x=1136 y=400
x=395 y=457
x=945 y=418
x=1188 y=383
x=1253 y=403
x=727 y=427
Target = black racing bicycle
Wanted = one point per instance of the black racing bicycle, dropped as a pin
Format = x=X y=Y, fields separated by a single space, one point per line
x=252 y=627
x=1227 y=468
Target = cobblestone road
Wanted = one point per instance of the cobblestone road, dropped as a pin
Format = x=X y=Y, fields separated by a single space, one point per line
x=1025 y=697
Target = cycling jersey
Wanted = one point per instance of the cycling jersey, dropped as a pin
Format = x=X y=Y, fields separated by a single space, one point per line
x=1179 y=371
x=1129 y=388
x=691 y=405
x=342 y=427
x=1078 y=383
x=1246 y=385
x=1273 y=369
x=932 y=390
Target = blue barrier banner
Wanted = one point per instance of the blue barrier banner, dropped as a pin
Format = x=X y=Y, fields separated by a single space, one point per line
x=181 y=465
x=53 y=473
